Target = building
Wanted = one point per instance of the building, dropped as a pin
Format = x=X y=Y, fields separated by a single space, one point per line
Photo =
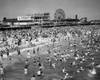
x=40 y=18
x=24 y=20
x=10 y=21
x=68 y=21
x=95 y=22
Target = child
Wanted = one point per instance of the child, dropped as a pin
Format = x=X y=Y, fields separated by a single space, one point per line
x=66 y=76
x=92 y=72
x=55 y=58
x=33 y=50
x=41 y=66
x=18 y=51
x=33 y=77
x=28 y=55
x=34 y=61
x=63 y=70
x=1 y=61
x=25 y=70
x=39 y=73
x=73 y=63
x=38 y=50
x=2 y=70
x=2 y=78
x=26 y=63
x=7 y=53
x=53 y=65
x=1 y=55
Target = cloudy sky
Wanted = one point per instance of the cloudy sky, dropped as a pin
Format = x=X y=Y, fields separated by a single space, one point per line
x=83 y=8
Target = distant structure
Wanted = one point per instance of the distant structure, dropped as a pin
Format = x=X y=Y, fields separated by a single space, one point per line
x=44 y=20
x=76 y=17
x=10 y=21
x=59 y=15
x=94 y=22
x=41 y=17
x=24 y=20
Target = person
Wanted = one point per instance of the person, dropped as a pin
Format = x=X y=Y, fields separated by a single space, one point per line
x=55 y=58
x=39 y=59
x=28 y=55
x=2 y=78
x=63 y=70
x=41 y=66
x=1 y=61
x=53 y=65
x=25 y=70
x=64 y=59
x=38 y=50
x=39 y=73
x=2 y=70
x=66 y=76
x=7 y=52
x=73 y=63
x=97 y=50
x=98 y=66
x=92 y=72
x=33 y=50
x=10 y=58
x=60 y=59
x=55 y=54
x=81 y=68
x=33 y=77
x=34 y=61
x=26 y=63
x=19 y=53
x=48 y=51
x=1 y=55
x=48 y=60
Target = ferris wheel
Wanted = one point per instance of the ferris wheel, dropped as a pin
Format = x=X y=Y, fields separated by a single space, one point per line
x=59 y=14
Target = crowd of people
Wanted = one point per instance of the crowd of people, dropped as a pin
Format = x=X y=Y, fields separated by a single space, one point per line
x=85 y=36
x=12 y=38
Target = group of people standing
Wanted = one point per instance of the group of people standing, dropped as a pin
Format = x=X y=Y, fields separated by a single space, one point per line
x=14 y=39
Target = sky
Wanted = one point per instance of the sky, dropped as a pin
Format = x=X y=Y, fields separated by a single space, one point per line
x=83 y=8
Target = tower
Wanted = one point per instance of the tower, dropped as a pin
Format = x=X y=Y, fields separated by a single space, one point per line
x=76 y=17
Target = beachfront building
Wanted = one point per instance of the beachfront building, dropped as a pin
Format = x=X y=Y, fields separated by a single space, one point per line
x=20 y=20
x=25 y=20
x=94 y=22
x=40 y=18
x=9 y=21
